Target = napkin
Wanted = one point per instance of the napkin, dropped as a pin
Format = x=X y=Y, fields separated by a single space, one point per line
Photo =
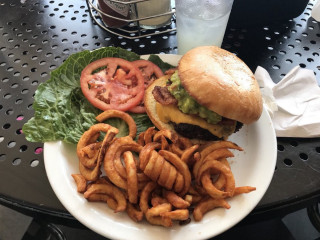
x=315 y=13
x=293 y=103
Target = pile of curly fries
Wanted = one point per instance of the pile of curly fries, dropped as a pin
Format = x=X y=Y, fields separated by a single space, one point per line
x=161 y=177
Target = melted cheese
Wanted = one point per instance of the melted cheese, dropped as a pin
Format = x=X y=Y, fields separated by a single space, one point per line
x=171 y=113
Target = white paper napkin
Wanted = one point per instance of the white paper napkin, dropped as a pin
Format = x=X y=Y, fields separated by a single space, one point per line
x=315 y=13
x=293 y=103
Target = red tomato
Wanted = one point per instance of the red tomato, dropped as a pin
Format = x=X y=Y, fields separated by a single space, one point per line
x=119 y=85
x=150 y=72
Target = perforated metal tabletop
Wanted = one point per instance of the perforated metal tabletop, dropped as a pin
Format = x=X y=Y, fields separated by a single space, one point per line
x=37 y=36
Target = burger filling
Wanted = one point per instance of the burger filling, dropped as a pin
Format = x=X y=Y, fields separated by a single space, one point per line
x=187 y=104
x=190 y=119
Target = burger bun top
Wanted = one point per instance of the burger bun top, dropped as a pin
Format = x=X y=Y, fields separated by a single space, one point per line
x=222 y=82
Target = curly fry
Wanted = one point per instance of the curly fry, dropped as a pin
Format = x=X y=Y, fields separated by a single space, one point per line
x=211 y=189
x=175 y=200
x=145 y=195
x=216 y=155
x=132 y=177
x=181 y=166
x=145 y=153
x=148 y=135
x=119 y=114
x=88 y=173
x=153 y=215
x=110 y=156
x=141 y=139
x=221 y=180
x=181 y=145
x=110 y=190
x=188 y=198
x=97 y=197
x=214 y=147
x=80 y=182
x=207 y=183
x=167 y=175
x=187 y=155
x=157 y=200
x=207 y=205
x=89 y=154
x=179 y=183
x=173 y=137
x=164 y=143
x=135 y=214
x=179 y=214
x=244 y=189
x=132 y=147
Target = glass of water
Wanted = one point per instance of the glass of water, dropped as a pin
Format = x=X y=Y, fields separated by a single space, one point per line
x=201 y=22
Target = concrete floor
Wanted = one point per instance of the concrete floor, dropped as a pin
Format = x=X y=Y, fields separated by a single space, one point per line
x=295 y=226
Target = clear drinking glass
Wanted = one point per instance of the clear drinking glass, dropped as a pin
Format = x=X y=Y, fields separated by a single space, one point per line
x=151 y=8
x=201 y=22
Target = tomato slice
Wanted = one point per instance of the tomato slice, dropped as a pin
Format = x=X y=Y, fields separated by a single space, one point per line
x=112 y=83
x=150 y=72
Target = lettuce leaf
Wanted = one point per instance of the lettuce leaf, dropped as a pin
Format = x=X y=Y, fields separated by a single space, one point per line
x=61 y=110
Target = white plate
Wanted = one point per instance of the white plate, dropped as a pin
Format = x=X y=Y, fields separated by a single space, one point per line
x=254 y=167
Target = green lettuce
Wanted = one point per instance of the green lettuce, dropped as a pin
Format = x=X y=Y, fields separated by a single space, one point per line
x=61 y=112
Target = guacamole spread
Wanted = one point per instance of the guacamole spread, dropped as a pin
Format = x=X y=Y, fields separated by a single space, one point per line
x=187 y=104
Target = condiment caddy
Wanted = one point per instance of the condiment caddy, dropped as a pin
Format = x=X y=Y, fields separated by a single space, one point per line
x=133 y=19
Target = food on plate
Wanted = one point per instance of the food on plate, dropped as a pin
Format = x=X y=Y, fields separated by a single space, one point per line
x=115 y=83
x=119 y=114
x=206 y=205
x=112 y=83
x=150 y=72
x=80 y=181
x=159 y=177
x=209 y=97
x=89 y=158
x=61 y=111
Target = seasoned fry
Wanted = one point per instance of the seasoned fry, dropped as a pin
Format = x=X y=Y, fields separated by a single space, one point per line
x=244 y=189
x=187 y=155
x=221 y=180
x=181 y=166
x=223 y=169
x=148 y=135
x=173 y=137
x=179 y=146
x=214 y=147
x=88 y=138
x=211 y=189
x=120 y=114
x=141 y=139
x=89 y=154
x=216 y=155
x=153 y=215
x=145 y=196
x=111 y=191
x=132 y=177
x=164 y=143
x=110 y=156
x=179 y=214
x=145 y=152
x=135 y=214
x=157 y=200
x=207 y=205
x=80 y=182
x=175 y=200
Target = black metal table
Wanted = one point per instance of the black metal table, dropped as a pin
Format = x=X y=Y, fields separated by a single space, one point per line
x=37 y=36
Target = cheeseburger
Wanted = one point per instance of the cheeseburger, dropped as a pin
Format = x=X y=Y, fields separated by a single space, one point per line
x=209 y=96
